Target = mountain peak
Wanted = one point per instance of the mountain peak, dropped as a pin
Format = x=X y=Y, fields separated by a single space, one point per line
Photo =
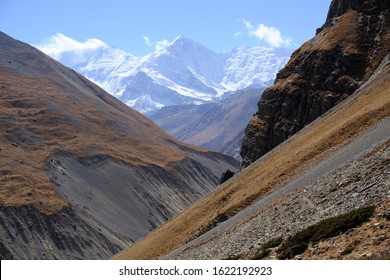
x=180 y=38
x=182 y=43
x=179 y=71
x=58 y=122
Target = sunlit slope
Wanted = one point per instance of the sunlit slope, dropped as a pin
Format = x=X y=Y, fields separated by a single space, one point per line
x=340 y=125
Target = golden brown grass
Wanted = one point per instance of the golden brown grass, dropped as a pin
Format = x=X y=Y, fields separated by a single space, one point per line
x=350 y=118
x=330 y=38
x=67 y=115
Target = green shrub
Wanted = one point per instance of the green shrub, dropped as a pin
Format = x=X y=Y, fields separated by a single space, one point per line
x=264 y=250
x=261 y=254
x=236 y=257
x=347 y=250
x=292 y=251
x=324 y=229
x=275 y=242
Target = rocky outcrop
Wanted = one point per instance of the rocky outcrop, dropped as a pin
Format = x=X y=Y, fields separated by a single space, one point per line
x=226 y=176
x=345 y=52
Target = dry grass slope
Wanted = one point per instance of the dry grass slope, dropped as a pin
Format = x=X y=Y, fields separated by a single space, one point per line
x=340 y=125
x=45 y=107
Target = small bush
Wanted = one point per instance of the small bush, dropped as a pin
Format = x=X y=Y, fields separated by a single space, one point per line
x=347 y=250
x=264 y=250
x=261 y=254
x=292 y=251
x=236 y=257
x=324 y=229
x=275 y=242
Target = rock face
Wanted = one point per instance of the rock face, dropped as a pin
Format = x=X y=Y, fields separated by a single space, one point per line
x=226 y=176
x=344 y=54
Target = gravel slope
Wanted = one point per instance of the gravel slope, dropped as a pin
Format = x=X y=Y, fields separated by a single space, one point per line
x=345 y=180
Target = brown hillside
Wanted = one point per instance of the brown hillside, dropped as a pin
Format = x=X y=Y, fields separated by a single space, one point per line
x=57 y=109
x=82 y=175
x=46 y=107
x=342 y=124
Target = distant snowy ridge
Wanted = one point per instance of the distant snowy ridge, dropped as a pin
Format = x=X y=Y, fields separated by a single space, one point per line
x=182 y=72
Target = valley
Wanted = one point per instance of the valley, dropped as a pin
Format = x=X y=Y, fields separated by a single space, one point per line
x=85 y=175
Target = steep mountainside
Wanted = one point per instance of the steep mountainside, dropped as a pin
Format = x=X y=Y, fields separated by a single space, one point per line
x=182 y=72
x=82 y=174
x=217 y=126
x=345 y=52
x=338 y=163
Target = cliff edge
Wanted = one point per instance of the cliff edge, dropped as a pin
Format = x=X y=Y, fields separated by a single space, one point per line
x=344 y=54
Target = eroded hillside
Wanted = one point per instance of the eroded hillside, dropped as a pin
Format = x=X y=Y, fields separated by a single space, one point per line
x=71 y=154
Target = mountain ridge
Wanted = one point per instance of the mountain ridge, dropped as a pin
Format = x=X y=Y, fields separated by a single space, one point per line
x=183 y=70
x=216 y=126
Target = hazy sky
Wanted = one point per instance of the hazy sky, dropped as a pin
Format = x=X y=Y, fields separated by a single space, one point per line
x=138 y=26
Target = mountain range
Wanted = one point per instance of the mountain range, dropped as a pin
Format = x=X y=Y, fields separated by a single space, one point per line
x=217 y=126
x=182 y=72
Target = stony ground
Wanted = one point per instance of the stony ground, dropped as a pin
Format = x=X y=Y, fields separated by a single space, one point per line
x=364 y=180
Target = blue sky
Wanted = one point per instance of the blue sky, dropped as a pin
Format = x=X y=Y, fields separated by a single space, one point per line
x=137 y=26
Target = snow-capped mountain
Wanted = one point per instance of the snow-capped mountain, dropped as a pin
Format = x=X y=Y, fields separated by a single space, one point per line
x=182 y=72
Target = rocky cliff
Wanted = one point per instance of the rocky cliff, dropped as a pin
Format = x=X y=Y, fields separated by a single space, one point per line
x=345 y=53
